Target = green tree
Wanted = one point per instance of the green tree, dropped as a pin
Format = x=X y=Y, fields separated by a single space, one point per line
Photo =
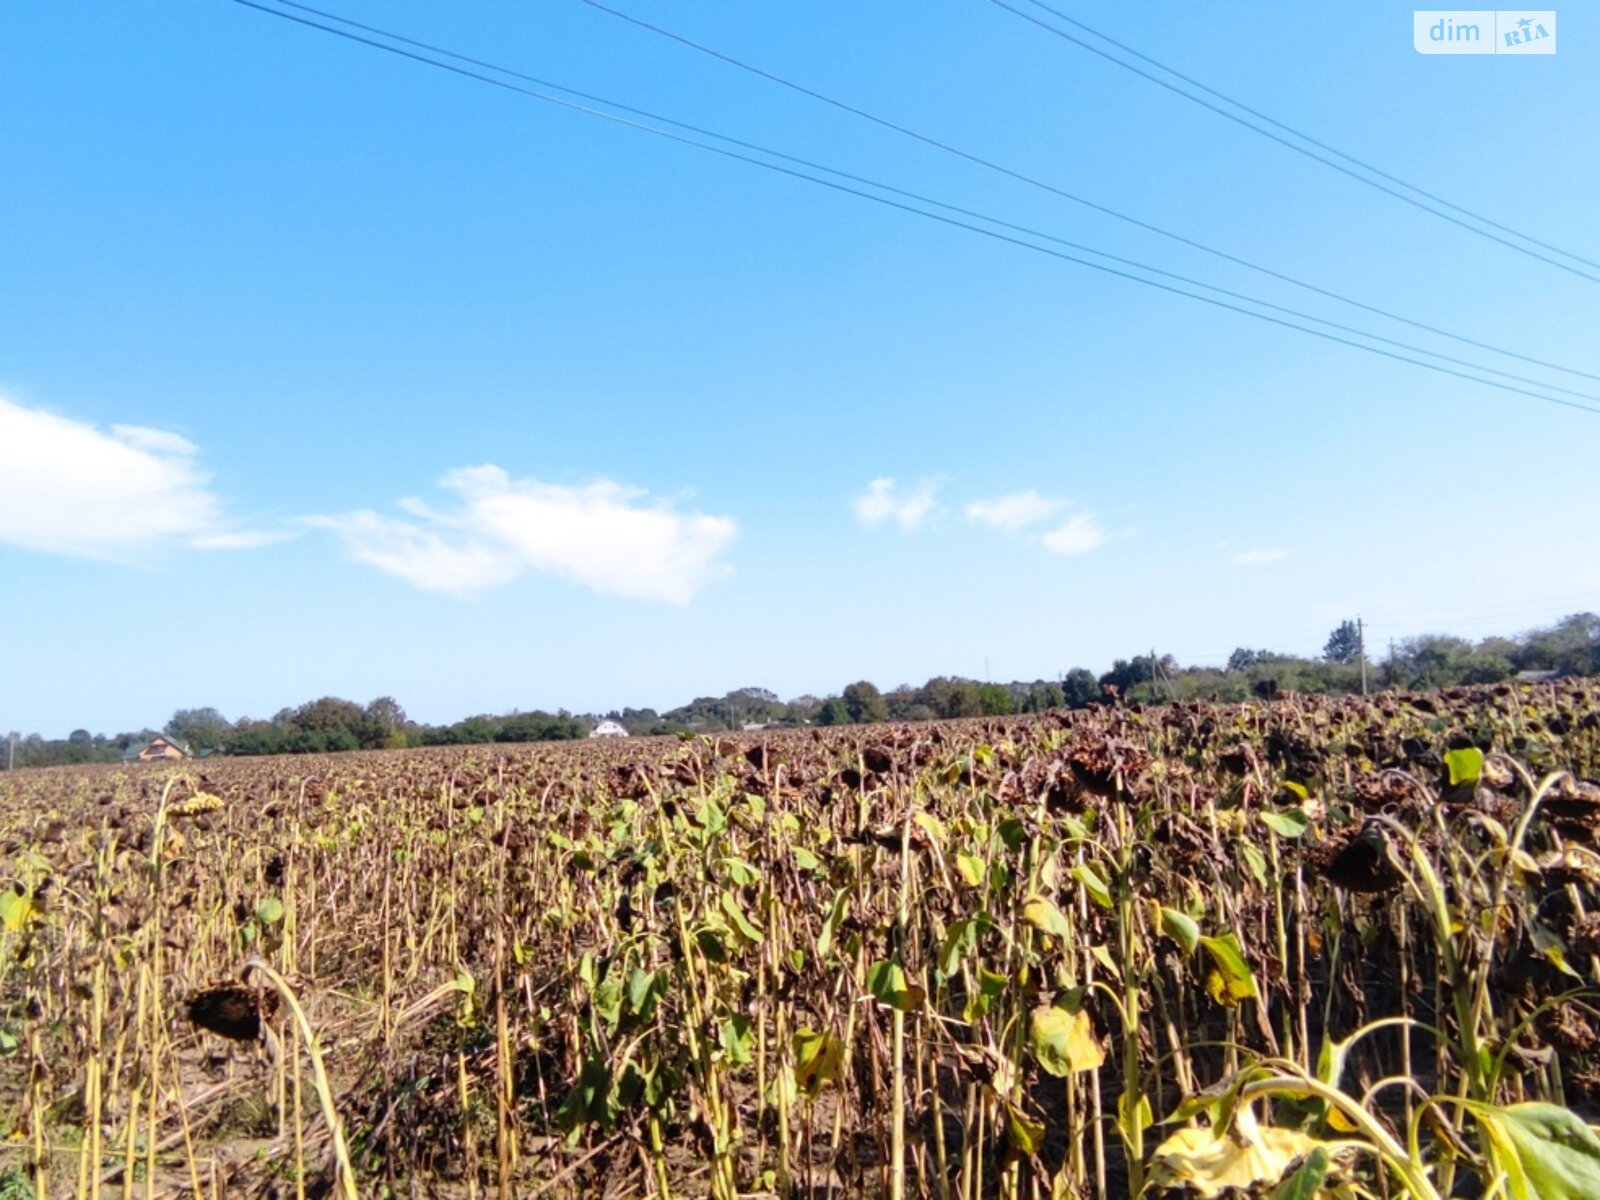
x=1127 y=674
x=994 y=700
x=901 y=702
x=474 y=731
x=1344 y=644
x=865 y=703
x=255 y=737
x=383 y=723
x=201 y=729
x=962 y=699
x=1571 y=644
x=1432 y=660
x=802 y=710
x=328 y=715
x=539 y=727
x=1079 y=688
x=1242 y=659
x=1041 y=697
x=833 y=712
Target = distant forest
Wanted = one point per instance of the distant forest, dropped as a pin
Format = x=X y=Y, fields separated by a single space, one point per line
x=1571 y=646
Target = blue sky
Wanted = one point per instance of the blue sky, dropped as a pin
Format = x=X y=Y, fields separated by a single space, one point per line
x=325 y=372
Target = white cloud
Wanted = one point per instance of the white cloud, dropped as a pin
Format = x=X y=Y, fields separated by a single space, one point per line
x=156 y=441
x=599 y=535
x=1254 y=558
x=418 y=555
x=882 y=501
x=238 y=539
x=1016 y=511
x=1079 y=534
x=67 y=487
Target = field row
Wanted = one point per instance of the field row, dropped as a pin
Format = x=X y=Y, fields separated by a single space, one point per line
x=1084 y=954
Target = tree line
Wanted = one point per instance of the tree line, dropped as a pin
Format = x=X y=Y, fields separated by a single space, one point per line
x=1570 y=646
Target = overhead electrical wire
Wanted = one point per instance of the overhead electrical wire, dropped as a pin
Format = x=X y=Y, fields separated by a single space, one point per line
x=1510 y=609
x=1299 y=149
x=994 y=234
x=966 y=212
x=1306 y=137
x=1053 y=189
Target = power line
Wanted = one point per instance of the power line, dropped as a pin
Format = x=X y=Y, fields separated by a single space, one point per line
x=1053 y=189
x=993 y=234
x=1306 y=137
x=1510 y=610
x=966 y=212
x=1298 y=149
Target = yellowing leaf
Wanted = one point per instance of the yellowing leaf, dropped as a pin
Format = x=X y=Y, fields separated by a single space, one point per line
x=1338 y=1122
x=961 y=939
x=1179 y=926
x=1465 y=765
x=739 y=872
x=1025 y=1134
x=818 y=1057
x=464 y=1006
x=15 y=910
x=1290 y=823
x=991 y=986
x=969 y=867
x=1211 y=1162
x=1218 y=989
x=1134 y=1118
x=1554 y=949
x=888 y=984
x=1256 y=861
x=1045 y=917
x=1232 y=981
x=1064 y=1042
x=1103 y=956
x=1545 y=1151
x=1097 y=888
x=200 y=802
x=1524 y=862
x=735 y=1036
x=932 y=826
x=742 y=923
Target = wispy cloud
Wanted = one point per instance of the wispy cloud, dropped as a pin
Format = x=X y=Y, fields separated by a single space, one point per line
x=884 y=501
x=1255 y=558
x=239 y=539
x=601 y=535
x=69 y=487
x=1015 y=511
x=1079 y=534
x=1019 y=512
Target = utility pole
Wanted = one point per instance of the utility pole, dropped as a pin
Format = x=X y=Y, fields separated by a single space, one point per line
x=11 y=755
x=1361 y=651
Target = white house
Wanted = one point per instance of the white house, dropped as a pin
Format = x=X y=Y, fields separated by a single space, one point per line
x=608 y=729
